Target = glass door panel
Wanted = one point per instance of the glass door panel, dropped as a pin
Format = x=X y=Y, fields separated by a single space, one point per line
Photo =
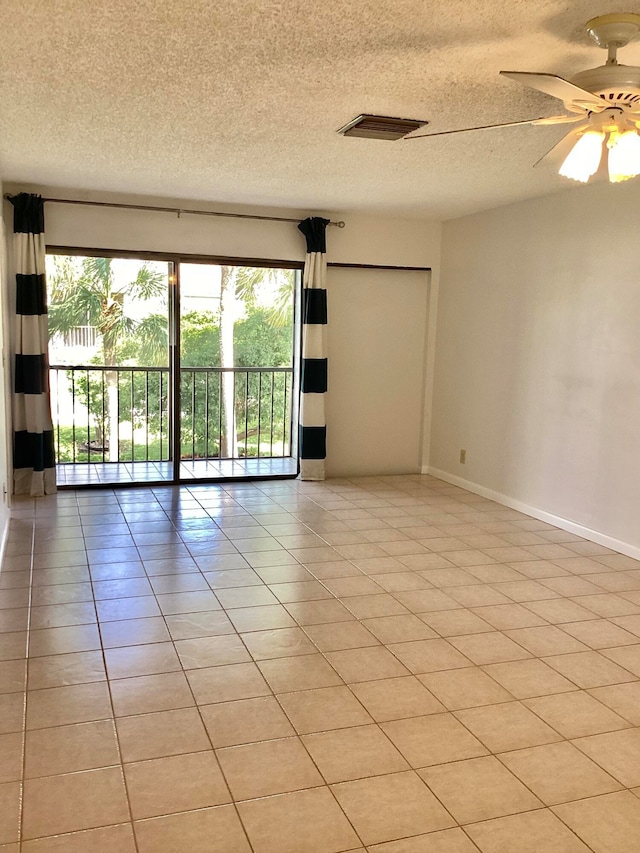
x=236 y=370
x=110 y=376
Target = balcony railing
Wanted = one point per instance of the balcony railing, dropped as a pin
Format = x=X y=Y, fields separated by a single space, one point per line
x=122 y=414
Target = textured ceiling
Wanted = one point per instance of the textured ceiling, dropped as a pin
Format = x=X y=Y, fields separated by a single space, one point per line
x=238 y=100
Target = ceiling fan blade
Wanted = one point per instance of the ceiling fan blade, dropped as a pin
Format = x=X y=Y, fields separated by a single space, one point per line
x=557 y=87
x=480 y=127
x=559 y=119
x=560 y=150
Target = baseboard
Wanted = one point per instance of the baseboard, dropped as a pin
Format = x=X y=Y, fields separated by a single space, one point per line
x=535 y=512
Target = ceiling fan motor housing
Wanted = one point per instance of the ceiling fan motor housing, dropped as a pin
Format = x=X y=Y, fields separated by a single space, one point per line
x=614 y=83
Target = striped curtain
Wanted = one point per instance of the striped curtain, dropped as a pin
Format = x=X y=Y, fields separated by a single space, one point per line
x=33 y=455
x=313 y=378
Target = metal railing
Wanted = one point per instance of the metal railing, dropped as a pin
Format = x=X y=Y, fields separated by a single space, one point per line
x=122 y=414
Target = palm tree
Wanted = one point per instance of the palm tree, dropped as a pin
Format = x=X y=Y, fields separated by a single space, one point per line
x=229 y=313
x=238 y=286
x=90 y=296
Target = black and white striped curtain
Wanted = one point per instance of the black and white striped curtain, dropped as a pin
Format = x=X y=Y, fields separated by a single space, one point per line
x=33 y=455
x=313 y=375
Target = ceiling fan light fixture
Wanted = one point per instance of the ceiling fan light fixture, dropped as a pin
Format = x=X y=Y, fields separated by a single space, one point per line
x=584 y=158
x=624 y=156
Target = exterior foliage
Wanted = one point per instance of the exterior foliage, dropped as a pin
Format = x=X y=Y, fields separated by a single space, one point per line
x=87 y=295
x=228 y=412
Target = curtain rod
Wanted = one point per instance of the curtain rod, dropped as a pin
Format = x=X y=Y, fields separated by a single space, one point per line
x=391 y=267
x=177 y=210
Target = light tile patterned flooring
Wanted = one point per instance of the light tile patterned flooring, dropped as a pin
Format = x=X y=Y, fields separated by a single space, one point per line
x=385 y=664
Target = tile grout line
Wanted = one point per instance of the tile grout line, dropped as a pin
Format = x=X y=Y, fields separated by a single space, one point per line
x=108 y=683
x=298 y=739
x=202 y=722
x=26 y=687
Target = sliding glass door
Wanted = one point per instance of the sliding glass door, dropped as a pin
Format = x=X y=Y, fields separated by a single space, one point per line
x=171 y=369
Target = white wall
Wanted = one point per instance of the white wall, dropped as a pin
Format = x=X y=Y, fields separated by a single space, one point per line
x=377 y=332
x=364 y=240
x=537 y=367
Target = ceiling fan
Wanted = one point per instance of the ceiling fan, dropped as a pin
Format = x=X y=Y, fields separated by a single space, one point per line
x=604 y=102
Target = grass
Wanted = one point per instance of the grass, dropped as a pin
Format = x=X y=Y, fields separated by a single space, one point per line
x=73 y=448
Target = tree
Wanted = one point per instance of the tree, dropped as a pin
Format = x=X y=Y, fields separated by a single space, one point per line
x=255 y=344
x=200 y=394
x=90 y=296
x=238 y=290
x=259 y=343
x=229 y=313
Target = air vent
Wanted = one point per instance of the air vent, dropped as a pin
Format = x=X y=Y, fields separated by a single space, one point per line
x=380 y=127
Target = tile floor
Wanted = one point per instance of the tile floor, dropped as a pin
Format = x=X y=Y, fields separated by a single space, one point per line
x=390 y=665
